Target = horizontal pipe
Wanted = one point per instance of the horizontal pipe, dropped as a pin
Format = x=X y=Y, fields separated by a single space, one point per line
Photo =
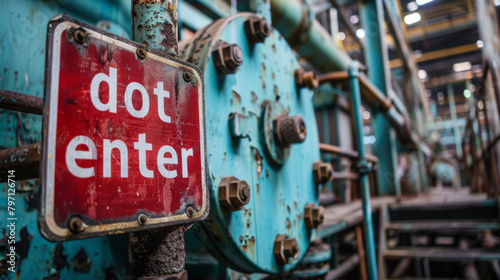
x=345 y=176
x=327 y=148
x=295 y=22
x=334 y=77
x=374 y=92
x=20 y=102
x=24 y=161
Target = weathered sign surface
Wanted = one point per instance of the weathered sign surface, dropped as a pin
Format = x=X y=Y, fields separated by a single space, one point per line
x=123 y=145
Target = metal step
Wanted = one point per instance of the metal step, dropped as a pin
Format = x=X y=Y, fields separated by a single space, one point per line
x=448 y=226
x=442 y=254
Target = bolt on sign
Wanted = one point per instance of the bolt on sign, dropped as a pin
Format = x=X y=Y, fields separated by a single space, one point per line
x=123 y=140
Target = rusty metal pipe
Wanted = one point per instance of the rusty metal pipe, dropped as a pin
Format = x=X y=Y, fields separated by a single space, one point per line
x=154 y=24
x=23 y=103
x=327 y=148
x=24 y=161
x=158 y=253
x=345 y=176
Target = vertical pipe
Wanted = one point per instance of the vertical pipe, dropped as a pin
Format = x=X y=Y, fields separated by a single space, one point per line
x=377 y=57
x=154 y=24
x=363 y=171
x=158 y=253
x=453 y=113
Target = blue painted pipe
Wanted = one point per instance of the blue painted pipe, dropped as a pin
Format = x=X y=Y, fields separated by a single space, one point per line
x=363 y=167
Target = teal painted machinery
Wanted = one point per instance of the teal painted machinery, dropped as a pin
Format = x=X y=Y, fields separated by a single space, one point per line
x=262 y=145
x=262 y=133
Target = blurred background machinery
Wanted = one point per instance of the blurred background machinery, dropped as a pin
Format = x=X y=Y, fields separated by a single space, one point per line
x=345 y=139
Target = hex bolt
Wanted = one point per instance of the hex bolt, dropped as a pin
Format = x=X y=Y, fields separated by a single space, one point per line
x=289 y=130
x=285 y=249
x=233 y=193
x=141 y=53
x=306 y=79
x=142 y=219
x=80 y=36
x=322 y=172
x=314 y=215
x=257 y=29
x=190 y=211
x=227 y=57
x=75 y=224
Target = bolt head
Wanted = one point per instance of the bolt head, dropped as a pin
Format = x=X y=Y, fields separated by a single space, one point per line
x=257 y=29
x=306 y=79
x=227 y=57
x=313 y=215
x=289 y=130
x=285 y=249
x=322 y=172
x=233 y=193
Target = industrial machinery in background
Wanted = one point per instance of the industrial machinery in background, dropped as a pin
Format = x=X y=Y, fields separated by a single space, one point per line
x=291 y=164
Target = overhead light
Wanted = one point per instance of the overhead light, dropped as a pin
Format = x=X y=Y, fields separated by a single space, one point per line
x=412 y=18
x=467 y=93
x=496 y=2
x=354 y=19
x=480 y=105
x=423 y=2
x=341 y=36
x=417 y=54
x=462 y=66
x=412 y=6
x=480 y=43
x=360 y=33
x=366 y=115
x=422 y=74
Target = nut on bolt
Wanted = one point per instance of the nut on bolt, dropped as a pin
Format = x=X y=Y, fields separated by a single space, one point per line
x=306 y=79
x=233 y=193
x=323 y=172
x=314 y=215
x=227 y=57
x=289 y=130
x=285 y=249
x=75 y=224
x=257 y=29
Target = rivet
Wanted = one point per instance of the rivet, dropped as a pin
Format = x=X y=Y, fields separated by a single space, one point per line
x=190 y=211
x=141 y=53
x=75 y=224
x=142 y=219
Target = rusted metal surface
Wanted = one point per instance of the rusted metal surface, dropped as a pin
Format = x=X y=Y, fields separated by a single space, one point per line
x=334 y=76
x=361 y=253
x=25 y=161
x=157 y=253
x=154 y=24
x=23 y=103
x=345 y=176
x=327 y=148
